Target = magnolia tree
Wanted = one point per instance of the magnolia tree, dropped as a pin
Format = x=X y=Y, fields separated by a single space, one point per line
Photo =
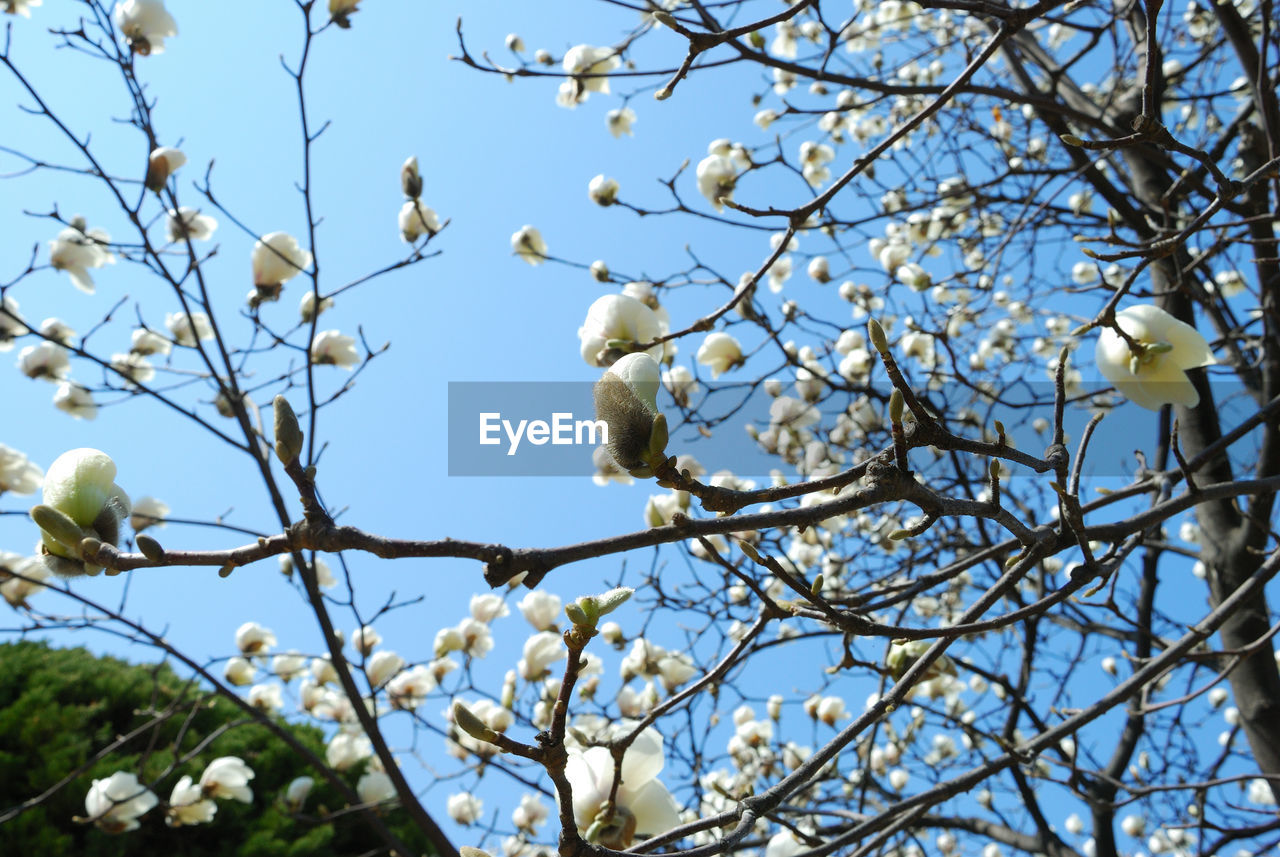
x=999 y=314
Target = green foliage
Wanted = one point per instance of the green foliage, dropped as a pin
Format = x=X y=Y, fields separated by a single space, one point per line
x=61 y=708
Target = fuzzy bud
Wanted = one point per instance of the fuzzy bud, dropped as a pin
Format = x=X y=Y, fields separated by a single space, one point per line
x=626 y=399
x=287 y=431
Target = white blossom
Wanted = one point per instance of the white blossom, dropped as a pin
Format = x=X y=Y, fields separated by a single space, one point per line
x=332 y=348
x=186 y=328
x=622 y=320
x=276 y=258
x=228 y=777
x=77 y=249
x=188 y=223
x=116 y=803
x=188 y=805
x=619 y=121
x=717 y=177
x=145 y=24
x=643 y=805
x=527 y=243
x=1156 y=375
x=417 y=219
x=75 y=400
x=720 y=352
x=375 y=787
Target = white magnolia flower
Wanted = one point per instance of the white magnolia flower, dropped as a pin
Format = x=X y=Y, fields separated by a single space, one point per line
x=514 y=43
x=334 y=349
x=11 y=324
x=382 y=667
x=1134 y=825
x=486 y=607
x=603 y=191
x=18 y=473
x=914 y=276
x=146 y=24
x=720 y=352
x=588 y=68
x=375 y=787
x=717 y=176
x=643 y=806
x=277 y=258
x=148 y=512
x=133 y=368
x=19 y=7
x=409 y=689
x=540 y=651
x=619 y=319
x=239 y=671
x=188 y=805
x=146 y=342
x=189 y=223
x=228 y=777
x=288 y=665
x=47 y=361
x=187 y=329
x=253 y=639
x=162 y=163
x=1157 y=375
x=307 y=306
x=680 y=383
x=531 y=813
x=527 y=243
x=417 y=219
x=81 y=484
x=296 y=794
x=814 y=158
x=619 y=121
x=365 y=639
x=116 y=803
x=17 y=589
x=464 y=808
x=345 y=750
x=77 y=249
x=76 y=400
x=1259 y=792
x=266 y=697
x=541 y=609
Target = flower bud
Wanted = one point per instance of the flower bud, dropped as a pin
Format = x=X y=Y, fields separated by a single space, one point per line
x=896 y=404
x=410 y=179
x=626 y=399
x=472 y=725
x=80 y=501
x=876 y=334
x=287 y=431
x=150 y=548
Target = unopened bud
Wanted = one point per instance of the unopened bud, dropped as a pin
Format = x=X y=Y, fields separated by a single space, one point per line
x=876 y=334
x=410 y=179
x=472 y=725
x=613 y=599
x=578 y=616
x=896 y=404
x=287 y=431
x=626 y=400
x=150 y=548
x=58 y=525
x=1071 y=139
